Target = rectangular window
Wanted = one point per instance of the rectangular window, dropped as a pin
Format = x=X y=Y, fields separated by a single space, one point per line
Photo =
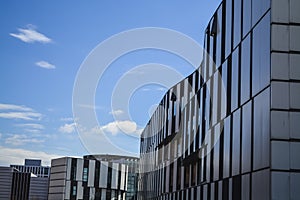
x=85 y=174
x=228 y=26
x=235 y=79
x=246 y=137
x=236 y=146
x=246 y=16
x=245 y=69
x=261 y=55
x=237 y=22
x=261 y=130
x=259 y=8
x=226 y=155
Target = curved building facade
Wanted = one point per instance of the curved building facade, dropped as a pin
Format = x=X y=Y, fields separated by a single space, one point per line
x=229 y=130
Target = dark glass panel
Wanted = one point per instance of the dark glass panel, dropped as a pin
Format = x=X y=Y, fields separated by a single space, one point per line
x=246 y=137
x=246 y=187
x=235 y=80
x=261 y=130
x=261 y=55
x=226 y=155
x=237 y=22
x=236 y=124
x=245 y=69
x=228 y=25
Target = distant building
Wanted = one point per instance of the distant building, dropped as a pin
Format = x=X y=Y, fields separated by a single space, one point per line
x=94 y=177
x=38 y=178
x=35 y=167
x=242 y=140
x=14 y=185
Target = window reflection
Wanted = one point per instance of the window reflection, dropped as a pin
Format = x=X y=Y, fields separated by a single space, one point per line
x=261 y=55
x=245 y=69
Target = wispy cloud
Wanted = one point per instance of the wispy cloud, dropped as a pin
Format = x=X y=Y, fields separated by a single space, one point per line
x=116 y=112
x=14 y=107
x=16 y=156
x=67 y=128
x=45 y=65
x=21 y=139
x=32 y=128
x=30 y=35
x=21 y=115
x=11 y=111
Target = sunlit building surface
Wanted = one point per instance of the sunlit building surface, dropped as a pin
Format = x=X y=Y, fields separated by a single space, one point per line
x=230 y=130
x=94 y=177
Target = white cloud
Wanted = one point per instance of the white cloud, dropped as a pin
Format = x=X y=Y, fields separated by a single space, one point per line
x=18 y=112
x=21 y=115
x=127 y=127
x=45 y=65
x=16 y=156
x=67 y=128
x=32 y=126
x=116 y=112
x=4 y=106
x=30 y=35
x=21 y=139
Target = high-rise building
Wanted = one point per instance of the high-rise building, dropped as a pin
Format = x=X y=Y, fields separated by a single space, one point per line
x=230 y=129
x=94 y=177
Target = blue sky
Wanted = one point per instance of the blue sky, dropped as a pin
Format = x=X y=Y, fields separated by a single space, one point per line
x=43 y=45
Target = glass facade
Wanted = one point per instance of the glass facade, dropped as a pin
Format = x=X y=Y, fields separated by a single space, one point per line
x=226 y=144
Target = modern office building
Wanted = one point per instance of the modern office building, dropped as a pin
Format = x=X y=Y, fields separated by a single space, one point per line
x=14 y=185
x=94 y=177
x=33 y=166
x=230 y=129
x=38 y=178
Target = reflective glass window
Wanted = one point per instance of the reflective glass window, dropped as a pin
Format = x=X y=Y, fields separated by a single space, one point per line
x=223 y=89
x=261 y=130
x=236 y=121
x=237 y=22
x=245 y=69
x=228 y=27
x=259 y=8
x=261 y=55
x=246 y=137
x=235 y=79
x=246 y=187
x=246 y=16
x=219 y=37
x=226 y=152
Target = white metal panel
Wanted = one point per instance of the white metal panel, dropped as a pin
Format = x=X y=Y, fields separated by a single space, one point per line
x=79 y=169
x=69 y=165
x=67 y=189
x=79 y=190
x=103 y=174
x=91 y=177
x=122 y=184
x=114 y=177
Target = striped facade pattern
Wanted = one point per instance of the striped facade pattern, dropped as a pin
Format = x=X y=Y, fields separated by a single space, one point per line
x=88 y=178
x=229 y=130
